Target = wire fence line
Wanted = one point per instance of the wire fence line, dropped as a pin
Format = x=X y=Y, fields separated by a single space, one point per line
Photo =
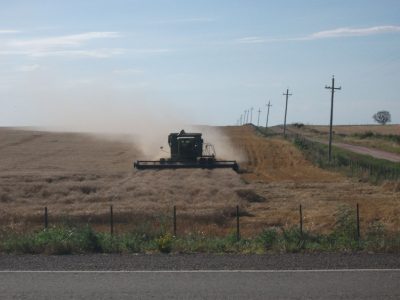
x=176 y=227
x=348 y=234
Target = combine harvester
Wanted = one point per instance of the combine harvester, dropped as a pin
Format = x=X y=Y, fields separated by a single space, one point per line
x=187 y=151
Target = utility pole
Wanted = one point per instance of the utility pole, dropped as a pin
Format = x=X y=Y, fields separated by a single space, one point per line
x=251 y=115
x=269 y=105
x=284 y=124
x=332 y=88
x=258 y=120
x=241 y=117
x=245 y=116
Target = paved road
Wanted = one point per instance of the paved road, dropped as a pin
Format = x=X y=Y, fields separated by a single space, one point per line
x=347 y=284
x=200 y=276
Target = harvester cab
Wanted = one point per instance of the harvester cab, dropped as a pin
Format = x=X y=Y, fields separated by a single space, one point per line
x=188 y=150
x=185 y=146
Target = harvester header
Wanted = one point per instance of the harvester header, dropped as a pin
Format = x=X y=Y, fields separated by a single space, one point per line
x=188 y=150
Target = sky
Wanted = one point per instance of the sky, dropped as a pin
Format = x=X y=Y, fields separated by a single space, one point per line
x=204 y=62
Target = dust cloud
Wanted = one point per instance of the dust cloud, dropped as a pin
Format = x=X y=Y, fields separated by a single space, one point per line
x=224 y=146
x=112 y=112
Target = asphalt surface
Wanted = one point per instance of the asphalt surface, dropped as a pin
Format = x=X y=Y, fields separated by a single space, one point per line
x=202 y=285
x=201 y=276
x=131 y=262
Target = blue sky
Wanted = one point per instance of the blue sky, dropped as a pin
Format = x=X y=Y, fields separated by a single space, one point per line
x=204 y=61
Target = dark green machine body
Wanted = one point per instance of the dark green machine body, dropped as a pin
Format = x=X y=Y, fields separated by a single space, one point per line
x=185 y=146
x=187 y=151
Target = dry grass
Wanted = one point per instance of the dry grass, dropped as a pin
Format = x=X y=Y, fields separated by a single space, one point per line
x=353 y=135
x=279 y=173
x=272 y=160
x=78 y=176
x=352 y=129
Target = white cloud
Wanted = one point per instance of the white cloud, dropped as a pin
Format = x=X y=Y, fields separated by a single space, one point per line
x=96 y=53
x=65 y=45
x=334 y=33
x=251 y=40
x=70 y=46
x=74 y=40
x=28 y=68
x=347 y=32
x=12 y=52
x=8 y=31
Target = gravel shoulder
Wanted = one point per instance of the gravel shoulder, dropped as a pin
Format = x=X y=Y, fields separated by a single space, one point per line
x=114 y=262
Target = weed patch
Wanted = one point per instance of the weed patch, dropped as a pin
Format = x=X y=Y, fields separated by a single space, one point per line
x=72 y=240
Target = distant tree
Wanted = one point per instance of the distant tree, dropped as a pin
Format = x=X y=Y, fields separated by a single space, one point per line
x=382 y=117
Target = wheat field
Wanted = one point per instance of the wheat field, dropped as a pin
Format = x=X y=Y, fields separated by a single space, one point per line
x=78 y=176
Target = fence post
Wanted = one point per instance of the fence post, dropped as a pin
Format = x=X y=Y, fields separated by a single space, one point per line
x=174 y=220
x=358 y=223
x=46 y=219
x=301 y=220
x=237 y=224
x=111 y=220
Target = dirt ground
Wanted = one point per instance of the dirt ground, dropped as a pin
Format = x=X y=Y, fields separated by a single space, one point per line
x=78 y=177
x=352 y=129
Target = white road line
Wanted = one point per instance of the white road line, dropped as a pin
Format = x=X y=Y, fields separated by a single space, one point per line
x=206 y=271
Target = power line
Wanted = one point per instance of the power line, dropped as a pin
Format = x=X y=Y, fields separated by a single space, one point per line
x=269 y=105
x=332 y=88
x=284 y=125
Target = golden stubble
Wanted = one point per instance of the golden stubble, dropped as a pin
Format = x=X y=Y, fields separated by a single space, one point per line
x=78 y=176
